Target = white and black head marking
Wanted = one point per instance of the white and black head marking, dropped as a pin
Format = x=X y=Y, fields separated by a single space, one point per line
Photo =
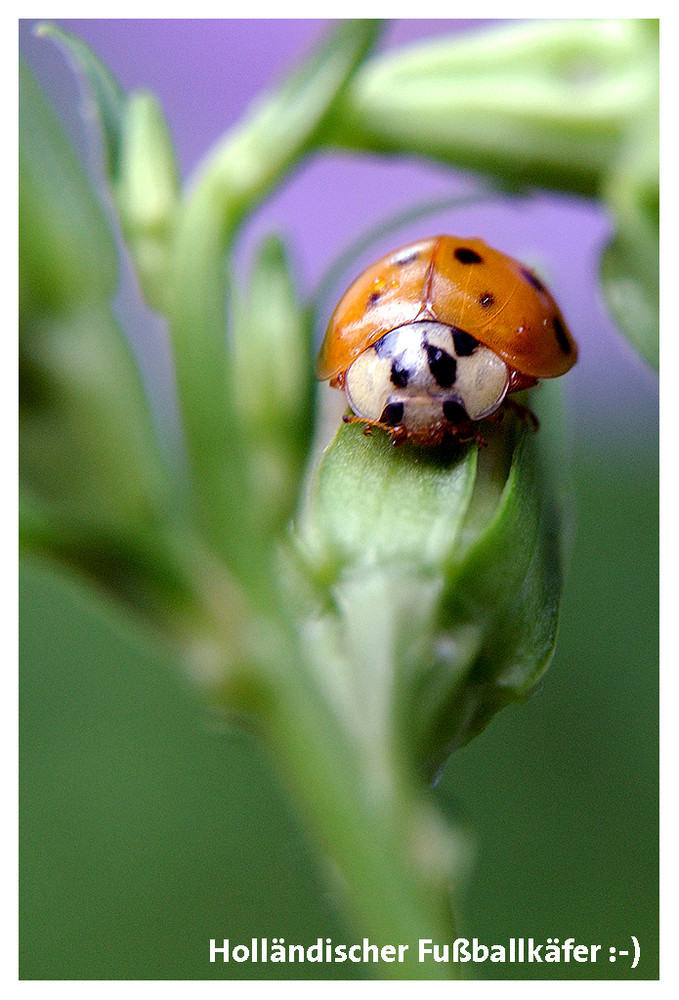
x=426 y=375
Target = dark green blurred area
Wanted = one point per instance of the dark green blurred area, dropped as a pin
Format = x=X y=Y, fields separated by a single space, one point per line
x=562 y=792
x=145 y=831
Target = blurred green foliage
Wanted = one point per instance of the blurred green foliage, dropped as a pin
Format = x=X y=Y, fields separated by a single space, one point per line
x=144 y=833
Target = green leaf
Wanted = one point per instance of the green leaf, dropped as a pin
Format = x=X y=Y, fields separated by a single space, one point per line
x=497 y=620
x=87 y=444
x=109 y=102
x=66 y=251
x=139 y=164
x=93 y=487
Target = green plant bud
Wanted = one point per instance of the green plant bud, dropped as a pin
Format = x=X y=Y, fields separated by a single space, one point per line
x=282 y=127
x=147 y=193
x=540 y=103
x=272 y=384
x=435 y=581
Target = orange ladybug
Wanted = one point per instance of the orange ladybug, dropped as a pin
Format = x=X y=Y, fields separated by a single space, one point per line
x=432 y=338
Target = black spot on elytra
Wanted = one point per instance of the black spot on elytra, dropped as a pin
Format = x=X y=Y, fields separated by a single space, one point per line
x=533 y=280
x=392 y=414
x=464 y=343
x=487 y=300
x=454 y=412
x=442 y=366
x=399 y=375
x=561 y=336
x=466 y=255
x=373 y=298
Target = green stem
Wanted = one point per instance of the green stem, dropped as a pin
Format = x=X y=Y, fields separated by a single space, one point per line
x=238 y=175
x=388 y=850
x=377 y=839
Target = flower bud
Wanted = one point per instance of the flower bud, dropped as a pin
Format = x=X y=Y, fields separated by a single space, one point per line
x=271 y=384
x=147 y=192
x=437 y=579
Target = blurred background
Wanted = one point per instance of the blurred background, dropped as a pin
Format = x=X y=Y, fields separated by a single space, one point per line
x=145 y=831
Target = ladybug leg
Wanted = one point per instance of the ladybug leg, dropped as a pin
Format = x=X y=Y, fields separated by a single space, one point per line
x=470 y=432
x=398 y=433
x=351 y=418
x=479 y=438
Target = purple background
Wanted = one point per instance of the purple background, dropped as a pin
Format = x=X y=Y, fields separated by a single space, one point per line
x=207 y=72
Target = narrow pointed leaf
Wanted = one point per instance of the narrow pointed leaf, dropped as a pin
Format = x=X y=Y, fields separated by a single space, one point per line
x=108 y=100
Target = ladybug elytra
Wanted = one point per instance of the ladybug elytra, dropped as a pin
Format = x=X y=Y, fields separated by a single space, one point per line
x=433 y=337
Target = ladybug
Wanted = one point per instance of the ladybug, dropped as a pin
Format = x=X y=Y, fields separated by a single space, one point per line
x=433 y=337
